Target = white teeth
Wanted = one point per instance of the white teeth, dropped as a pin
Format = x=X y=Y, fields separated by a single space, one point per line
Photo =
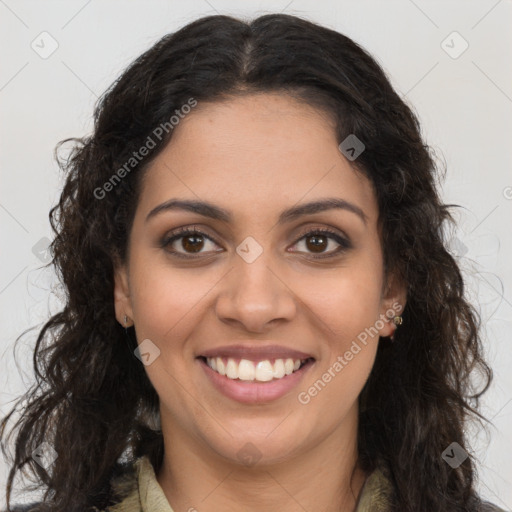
x=288 y=366
x=221 y=367
x=246 y=370
x=232 y=369
x=279 y=369
x=262 y=371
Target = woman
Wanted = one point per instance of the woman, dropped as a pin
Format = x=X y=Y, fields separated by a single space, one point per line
x=262 y=313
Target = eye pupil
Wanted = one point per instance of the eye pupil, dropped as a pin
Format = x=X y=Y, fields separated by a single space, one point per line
x=316 y=246
x=193 y=246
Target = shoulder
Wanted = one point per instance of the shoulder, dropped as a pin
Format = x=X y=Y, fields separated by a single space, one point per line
x=376 y=494
x=122 y=481
x=489 y=507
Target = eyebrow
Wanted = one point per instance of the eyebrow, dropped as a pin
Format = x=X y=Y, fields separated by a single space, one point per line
x=212 y=211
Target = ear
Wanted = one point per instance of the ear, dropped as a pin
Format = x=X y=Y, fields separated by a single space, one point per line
x=393 y=303
x=122 y=301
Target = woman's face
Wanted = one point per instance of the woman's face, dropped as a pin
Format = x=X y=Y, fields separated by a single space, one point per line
x=251 y=290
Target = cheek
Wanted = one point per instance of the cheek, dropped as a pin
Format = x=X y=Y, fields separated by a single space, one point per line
x=165 y=304
x=164 y=299
x=345 y=301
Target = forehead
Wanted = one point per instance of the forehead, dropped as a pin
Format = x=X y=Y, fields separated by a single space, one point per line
x=266 y=150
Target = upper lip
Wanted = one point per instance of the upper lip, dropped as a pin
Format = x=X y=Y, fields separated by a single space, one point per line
x=255 y=352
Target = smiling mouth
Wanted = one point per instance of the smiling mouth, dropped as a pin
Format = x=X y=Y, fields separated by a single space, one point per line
x=266 y=370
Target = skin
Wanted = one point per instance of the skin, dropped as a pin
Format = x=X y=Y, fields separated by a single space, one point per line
x=256 y=156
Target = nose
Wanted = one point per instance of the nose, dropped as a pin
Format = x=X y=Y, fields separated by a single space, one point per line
x=254 y=295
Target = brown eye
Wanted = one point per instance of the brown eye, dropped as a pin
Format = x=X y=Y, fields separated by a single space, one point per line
x=318 y=241
x=193 y=241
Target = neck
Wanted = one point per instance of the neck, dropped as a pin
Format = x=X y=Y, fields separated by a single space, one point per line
x=325 y=477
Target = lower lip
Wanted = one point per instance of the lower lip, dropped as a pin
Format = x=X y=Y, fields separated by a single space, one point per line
x=254 y=392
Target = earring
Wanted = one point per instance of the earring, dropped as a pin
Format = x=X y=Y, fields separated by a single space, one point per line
x=398 y=320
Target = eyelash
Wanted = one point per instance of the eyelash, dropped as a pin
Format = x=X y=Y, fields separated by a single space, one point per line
x=182 y=232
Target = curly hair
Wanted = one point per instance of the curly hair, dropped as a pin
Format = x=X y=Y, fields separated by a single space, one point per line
x=93 y=401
